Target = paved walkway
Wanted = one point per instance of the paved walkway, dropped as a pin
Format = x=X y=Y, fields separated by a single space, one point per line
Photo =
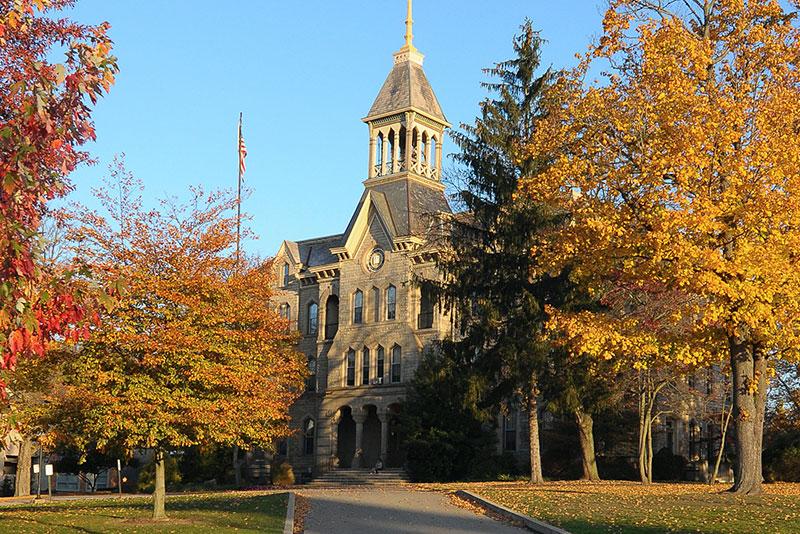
x=393 y=510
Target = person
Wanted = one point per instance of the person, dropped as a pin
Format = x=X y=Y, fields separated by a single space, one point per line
x=378 y=467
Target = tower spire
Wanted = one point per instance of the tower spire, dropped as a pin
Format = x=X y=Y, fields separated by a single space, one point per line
x=409 y=28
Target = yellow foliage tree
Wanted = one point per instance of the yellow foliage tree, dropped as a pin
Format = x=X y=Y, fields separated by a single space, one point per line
x=681 y=172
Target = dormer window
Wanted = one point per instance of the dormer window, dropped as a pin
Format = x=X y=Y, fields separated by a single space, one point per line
x=285 y=274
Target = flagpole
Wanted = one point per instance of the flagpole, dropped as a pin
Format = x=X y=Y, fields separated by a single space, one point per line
x=239 y=190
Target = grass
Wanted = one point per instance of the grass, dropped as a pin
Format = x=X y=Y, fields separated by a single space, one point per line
x=627 y=507
x=219 y=512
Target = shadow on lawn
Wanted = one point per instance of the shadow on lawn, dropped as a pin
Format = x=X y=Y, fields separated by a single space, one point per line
x=584 y=527
x=208 y=512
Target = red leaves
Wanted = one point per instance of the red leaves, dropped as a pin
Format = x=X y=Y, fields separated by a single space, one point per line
x=46 y=119
x=16 y=341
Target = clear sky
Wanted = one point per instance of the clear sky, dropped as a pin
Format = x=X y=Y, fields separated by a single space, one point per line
x=304 y=73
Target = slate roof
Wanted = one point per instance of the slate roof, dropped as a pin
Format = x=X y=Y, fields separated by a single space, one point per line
x=404 y=88
x=315 y=252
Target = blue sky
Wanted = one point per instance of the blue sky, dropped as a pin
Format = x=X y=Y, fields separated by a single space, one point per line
x=304 y=73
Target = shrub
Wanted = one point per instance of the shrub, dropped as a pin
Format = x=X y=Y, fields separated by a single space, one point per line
x=147 y=476
x=668 y=466
x=283 y=475
x=448 y=435
x=495 y=467
x=782 y=457
x=431 y=455
x=616 y=468
x=206 y=463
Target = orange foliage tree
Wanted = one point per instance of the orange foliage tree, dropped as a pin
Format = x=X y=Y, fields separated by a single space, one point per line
x=192 y=352
x=45 y=116
x=681 y=175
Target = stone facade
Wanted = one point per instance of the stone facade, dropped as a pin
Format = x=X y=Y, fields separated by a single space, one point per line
x=364 y=321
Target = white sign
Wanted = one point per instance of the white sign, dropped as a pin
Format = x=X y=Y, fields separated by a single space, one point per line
x=48 y=470
x=36 y=469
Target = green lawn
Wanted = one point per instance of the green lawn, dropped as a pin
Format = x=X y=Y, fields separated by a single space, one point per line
x=625 y=507
x=220 y=512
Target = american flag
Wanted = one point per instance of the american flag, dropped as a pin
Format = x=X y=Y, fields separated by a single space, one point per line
x=242 y=150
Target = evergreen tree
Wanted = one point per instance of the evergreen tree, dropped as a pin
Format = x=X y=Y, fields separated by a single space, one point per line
x=490 y=276
x=448 y=435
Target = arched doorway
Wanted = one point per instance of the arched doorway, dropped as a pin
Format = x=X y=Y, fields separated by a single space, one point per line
x=346 y=440
x=372 y=437
x=395 y=454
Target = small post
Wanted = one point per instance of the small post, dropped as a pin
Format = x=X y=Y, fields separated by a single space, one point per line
x=48 y=471
x=119 y=476
x=39 y=476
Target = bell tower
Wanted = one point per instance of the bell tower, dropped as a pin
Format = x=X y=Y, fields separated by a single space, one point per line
x=406 y=123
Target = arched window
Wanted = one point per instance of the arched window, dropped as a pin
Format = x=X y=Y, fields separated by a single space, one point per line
x=396 y=364
x=331 y=317
x=365 y=367
x=379 y=150
x=376 y=304
x=286 y=311
x=391 y=303
x=424 y=148
x=285 y=274
x=379 y=365
x=311 y=381
x=351 y=368
x=358 y=307
x=308 y=436
x=432 y=163
x=313 y=318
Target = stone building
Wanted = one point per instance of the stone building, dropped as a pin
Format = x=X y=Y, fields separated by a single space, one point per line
x=364 y=322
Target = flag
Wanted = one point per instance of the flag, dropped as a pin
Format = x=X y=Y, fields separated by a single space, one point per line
x=242 y=150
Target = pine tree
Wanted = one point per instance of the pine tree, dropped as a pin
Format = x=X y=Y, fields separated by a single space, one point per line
x=487 y=266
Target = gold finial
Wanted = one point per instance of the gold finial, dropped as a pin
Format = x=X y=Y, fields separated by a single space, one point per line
x=409 y=26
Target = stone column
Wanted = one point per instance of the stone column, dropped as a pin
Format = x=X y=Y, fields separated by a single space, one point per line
x=428 y=165
x=359 y=418
x=396 y=152
x=384 y=419
x=334 y=440
x=409 y=140
x=371 y=172
x=384 y=153
x=439 y=154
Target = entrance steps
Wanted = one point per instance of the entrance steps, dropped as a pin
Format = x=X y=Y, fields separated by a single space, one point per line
x=360 y=477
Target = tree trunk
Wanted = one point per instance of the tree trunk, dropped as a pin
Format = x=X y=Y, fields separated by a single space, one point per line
x=160 y=491
x=533 y=427
x=237 y=474
x=645 y=426
x=725 y=422
x=586 y=436
x=749 y=403
x=22 y=485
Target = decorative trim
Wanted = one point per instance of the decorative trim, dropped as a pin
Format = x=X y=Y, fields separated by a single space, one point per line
x=403 y=175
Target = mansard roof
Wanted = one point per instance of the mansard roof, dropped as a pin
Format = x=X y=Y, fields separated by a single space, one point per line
x=407 y=88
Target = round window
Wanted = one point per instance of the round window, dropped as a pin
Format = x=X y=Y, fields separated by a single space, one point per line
x=375 y=260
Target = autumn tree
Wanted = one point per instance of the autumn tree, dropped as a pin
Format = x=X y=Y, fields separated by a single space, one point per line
x=192 y=353
x=680 y=174
x=45 y=117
